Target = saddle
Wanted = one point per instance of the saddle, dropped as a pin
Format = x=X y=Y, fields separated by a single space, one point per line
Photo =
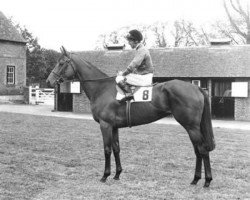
x=140 y=93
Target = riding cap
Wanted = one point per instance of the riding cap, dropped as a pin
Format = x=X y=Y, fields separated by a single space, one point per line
x=134 y=35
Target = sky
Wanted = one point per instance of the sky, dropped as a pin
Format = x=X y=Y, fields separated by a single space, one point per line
x=76 y=24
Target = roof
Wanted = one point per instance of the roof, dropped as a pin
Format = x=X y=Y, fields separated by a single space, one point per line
x=211 y=61
x=8 y=32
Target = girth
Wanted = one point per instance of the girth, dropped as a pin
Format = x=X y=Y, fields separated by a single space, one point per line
x=128 y=114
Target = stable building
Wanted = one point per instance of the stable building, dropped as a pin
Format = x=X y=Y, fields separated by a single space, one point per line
x=222 y=70
x=12 y=61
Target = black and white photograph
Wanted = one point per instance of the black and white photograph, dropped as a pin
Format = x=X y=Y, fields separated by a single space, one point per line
x=125 y=100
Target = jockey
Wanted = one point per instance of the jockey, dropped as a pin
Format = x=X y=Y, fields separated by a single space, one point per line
x=140 y=71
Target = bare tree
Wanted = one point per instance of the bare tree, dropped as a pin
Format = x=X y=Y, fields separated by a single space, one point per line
x=177 y=33
x=101 y=42
x=145 y=36
x=239 y=17
x=222 y=29
x=186 y=34
x=159 y=32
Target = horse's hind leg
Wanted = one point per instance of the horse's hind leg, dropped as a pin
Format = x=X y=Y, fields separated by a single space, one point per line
x=201 y=154
x=116 y=151
x=208 y=173
x=197 y=174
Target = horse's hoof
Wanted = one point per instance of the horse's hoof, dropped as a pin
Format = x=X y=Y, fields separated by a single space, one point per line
x=207 y=184
x=103 y=179
x=116 y=178
x=195 y=181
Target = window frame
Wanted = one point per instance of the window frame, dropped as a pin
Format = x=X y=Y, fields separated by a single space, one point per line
x=10 y=75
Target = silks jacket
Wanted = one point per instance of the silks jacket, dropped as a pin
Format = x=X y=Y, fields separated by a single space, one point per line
x=142 y=62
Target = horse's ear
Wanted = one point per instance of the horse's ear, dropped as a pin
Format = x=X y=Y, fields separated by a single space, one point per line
x=64 y=52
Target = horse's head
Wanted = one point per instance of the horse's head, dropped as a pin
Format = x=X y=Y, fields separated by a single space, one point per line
x=64 y=69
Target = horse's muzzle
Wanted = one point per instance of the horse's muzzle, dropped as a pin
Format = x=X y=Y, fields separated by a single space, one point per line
x=48 y=83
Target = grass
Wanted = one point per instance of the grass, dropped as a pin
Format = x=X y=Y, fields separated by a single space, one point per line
x=45 y=158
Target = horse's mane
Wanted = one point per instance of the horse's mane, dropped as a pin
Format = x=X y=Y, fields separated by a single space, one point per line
x=89 y=64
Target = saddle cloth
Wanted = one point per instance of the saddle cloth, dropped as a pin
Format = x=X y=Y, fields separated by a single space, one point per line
x=141 y=94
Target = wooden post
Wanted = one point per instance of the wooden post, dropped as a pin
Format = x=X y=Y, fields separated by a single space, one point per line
x=209 y=87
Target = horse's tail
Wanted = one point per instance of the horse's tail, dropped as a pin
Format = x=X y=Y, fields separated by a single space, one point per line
x=206 y=124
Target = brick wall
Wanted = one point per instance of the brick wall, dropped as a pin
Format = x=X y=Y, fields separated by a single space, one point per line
x=13 y=54
x=81 y=103
x=242 y=105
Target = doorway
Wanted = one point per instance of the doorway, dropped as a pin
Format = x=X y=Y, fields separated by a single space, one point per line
x=64 y=101
x=222 y=102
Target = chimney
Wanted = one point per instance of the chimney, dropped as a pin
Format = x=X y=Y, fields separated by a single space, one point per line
x=115 y=47
x=220 y=42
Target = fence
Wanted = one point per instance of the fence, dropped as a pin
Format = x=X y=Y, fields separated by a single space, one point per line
x=41 y=95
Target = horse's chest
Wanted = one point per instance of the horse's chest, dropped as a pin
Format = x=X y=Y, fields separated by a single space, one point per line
x=103 y=112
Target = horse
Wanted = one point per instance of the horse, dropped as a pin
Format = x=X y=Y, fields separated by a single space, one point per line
x=188 y=104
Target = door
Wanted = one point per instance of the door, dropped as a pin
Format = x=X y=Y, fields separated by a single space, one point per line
x=223 y=107
x=222 y=102
x=64 y=101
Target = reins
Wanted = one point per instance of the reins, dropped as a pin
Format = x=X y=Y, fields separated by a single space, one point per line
x=98 y=79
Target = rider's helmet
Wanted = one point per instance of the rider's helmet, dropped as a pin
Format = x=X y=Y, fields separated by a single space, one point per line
x=134 y=35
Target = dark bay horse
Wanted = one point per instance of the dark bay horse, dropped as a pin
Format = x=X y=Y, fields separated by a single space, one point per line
x=188 y=104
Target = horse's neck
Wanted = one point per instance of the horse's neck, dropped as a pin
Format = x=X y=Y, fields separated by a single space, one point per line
x=85 y=72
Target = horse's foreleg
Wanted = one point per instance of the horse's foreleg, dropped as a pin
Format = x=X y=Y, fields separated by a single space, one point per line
x=107 y=142
x=116 y=151
x=197 y=175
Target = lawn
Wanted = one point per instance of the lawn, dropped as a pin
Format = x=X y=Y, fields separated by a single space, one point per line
x=58 y=158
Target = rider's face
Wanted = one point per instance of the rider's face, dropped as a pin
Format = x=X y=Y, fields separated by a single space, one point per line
x=132 y=43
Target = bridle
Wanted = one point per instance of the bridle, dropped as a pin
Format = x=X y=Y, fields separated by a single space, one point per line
x=67 y=62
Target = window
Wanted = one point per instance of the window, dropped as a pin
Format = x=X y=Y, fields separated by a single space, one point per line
x=200 y=82
x=222 y=89
x=196 y=82
x=10 y=75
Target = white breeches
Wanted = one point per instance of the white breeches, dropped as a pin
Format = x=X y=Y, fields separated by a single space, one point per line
x=136 y=79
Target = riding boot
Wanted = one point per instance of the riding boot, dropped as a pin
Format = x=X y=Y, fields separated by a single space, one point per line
x=127 y=91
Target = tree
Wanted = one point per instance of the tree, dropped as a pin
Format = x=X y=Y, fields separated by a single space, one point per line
x=239 y=18
x=35 y=66
x=186 y=34
x=159 y=30
x=51 y=57
x=159 y=34
x=40 y=61
x=223 y=29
